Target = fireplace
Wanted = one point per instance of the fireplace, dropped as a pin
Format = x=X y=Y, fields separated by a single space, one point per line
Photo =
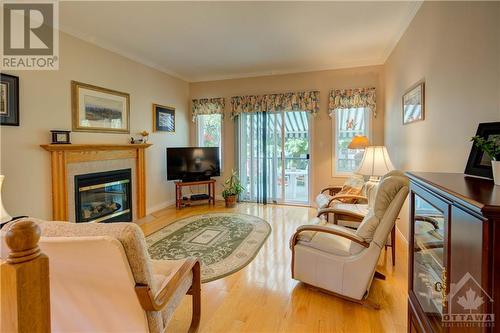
x=104 y=196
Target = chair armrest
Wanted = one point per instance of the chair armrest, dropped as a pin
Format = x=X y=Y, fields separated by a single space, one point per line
x=332 y=190
x=150 y=302
x=350 y=196
x=329 y=229
x=333 y=210
x=357 y=198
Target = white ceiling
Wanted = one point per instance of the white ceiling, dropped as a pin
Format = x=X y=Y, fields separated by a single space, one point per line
x=200 y=41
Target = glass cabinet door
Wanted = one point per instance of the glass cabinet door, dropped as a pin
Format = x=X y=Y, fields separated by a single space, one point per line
x=429 y=257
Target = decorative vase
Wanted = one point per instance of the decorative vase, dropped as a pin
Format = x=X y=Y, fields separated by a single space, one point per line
x=230 y=201
x=495 y=166
x=4 y=216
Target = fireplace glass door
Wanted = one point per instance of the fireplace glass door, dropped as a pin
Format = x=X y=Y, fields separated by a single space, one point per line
x=104 y=197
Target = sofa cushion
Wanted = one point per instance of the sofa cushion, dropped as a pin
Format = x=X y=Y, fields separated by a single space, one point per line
x=353 y=186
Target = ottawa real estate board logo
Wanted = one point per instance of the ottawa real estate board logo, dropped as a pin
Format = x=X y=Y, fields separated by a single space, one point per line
x=30 y=37
x=468 y=305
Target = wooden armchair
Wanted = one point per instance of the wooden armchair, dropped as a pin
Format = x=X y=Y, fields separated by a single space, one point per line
x=331 y=194
x=103 y=280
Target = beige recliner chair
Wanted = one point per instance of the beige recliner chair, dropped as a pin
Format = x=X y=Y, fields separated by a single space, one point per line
x=342 y=261
x=103 y=280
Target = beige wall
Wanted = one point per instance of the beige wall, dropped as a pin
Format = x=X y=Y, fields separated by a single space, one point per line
x=454 y=46
x=45 y=105
x=324 y=81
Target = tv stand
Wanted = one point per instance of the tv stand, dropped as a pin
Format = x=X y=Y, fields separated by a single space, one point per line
x=180 y=184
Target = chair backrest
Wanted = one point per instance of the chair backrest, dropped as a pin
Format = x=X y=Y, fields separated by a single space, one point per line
x=92 y=286
x=388 y=199
x=93 y=272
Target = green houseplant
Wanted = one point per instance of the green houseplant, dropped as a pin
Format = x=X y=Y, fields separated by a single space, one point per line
x=490 y=147
x=232 y=188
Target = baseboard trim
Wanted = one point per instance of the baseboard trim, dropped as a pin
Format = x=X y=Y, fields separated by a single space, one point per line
x=160 y=206
x=401 y=236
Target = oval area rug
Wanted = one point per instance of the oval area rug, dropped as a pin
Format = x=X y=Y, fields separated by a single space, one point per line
x=224 y=242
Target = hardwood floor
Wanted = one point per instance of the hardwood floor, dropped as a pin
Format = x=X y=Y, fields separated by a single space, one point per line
x=262 y=297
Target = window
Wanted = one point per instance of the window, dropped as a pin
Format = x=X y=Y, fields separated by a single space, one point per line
x=209 y=131
x=348 y=123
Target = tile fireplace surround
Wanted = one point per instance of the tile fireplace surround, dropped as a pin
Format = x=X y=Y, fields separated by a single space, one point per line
x=74 y=159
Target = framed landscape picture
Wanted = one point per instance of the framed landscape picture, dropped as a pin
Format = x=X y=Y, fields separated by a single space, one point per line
x=414 y=104
x=97 y=109
x=163 y=118
x=9 y=100
x=479 y=163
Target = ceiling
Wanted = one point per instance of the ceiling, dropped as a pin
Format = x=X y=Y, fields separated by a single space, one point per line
x=200 y=41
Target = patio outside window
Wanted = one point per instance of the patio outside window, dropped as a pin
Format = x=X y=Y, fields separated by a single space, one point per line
x=348 y=123
x=209 y=131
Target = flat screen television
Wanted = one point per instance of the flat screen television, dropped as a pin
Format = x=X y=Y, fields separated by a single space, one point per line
x=193 y=163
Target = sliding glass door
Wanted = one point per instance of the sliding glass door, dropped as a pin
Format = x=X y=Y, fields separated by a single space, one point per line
x=273 y=152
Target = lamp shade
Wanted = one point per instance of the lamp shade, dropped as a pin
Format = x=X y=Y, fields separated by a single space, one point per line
x=375 y=162
x=358 y=142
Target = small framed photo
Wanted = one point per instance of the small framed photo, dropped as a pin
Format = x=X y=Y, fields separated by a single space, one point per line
x=97 y=109
x=163 y=118
x=60 y=137
x=479 y=163
x=414 y=104
x=9 y=100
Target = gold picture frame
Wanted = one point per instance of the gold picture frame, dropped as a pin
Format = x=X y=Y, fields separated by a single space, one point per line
x=98 y=109
x=163 y=118
x=414 y=103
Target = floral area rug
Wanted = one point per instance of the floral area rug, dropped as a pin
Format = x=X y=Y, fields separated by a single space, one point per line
x=223 y=242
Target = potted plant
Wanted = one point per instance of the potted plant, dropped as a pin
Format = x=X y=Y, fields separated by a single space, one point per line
x=232 y=188
x=492 y=149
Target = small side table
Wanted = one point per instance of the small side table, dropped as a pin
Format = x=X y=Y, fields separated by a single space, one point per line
x=210 y=187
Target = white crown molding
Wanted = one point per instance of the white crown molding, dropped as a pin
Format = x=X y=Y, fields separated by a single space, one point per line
x=339 y=66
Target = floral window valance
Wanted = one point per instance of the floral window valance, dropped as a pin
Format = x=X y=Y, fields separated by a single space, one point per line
x=296 y=101
x=352 y=98
x=208 y=106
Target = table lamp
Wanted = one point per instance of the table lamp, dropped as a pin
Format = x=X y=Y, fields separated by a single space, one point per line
x=359 y=142
x=375 y=163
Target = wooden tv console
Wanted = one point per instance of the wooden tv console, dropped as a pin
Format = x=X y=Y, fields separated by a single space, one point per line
x=178 y=191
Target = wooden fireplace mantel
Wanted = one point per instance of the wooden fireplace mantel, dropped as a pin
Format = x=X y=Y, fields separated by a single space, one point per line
x=63 y=154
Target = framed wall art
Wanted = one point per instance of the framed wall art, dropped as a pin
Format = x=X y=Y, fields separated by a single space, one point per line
x=479 y=163
x=97 y=109
x=163 y=118
x=9 y=100
x=414 y=104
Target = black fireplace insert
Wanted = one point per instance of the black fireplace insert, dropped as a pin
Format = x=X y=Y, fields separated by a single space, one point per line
x=104 y=196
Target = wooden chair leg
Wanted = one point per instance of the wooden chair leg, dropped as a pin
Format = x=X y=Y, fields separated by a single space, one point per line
x=196 y=295
x=393 y=245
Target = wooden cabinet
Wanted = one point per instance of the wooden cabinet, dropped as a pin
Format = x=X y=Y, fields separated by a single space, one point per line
x=454 y=249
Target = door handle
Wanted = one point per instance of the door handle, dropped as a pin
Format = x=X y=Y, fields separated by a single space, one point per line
x=307 y=156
